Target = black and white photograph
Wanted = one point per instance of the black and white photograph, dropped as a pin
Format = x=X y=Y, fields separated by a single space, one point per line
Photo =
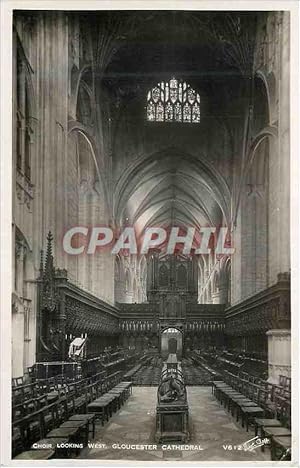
x=150 y=261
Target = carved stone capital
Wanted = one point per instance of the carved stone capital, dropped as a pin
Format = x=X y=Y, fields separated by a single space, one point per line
x=17 y=304
x=20 y=248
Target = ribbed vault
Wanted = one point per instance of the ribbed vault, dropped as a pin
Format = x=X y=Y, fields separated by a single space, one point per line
x=171 y=188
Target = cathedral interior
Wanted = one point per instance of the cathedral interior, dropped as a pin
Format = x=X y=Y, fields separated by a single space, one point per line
x=151 y=119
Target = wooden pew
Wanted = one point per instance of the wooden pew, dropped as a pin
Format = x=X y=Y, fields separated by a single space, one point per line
x=102 y=407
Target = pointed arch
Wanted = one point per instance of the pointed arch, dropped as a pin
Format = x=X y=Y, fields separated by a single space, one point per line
x=77 y=127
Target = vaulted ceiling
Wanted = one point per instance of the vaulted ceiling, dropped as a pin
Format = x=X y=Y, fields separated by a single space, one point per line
x=213 y=52
x=171 y=189
x=202 y=46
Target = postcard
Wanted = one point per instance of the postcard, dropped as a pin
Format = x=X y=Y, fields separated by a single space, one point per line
x=149 y=241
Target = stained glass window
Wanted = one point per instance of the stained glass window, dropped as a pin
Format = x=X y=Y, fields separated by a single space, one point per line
x=173 y=101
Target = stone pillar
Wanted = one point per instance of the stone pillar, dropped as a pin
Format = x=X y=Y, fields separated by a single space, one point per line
x=17 y=336
x=279 y=354
x=128 y=297
x=220 y=296
x=216 y=297
x=224 y=295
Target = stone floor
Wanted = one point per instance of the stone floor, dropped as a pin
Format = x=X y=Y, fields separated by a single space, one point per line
x=212 y=429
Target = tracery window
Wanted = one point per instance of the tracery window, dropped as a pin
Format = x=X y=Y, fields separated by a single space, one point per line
x=163 y=276
x=173 y=101
x=181 y=277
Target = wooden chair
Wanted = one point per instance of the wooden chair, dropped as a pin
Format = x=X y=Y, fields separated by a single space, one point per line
x=31 y=373
x=214 y=384
x=80 y=398
x=235 y=402
x=33 y=427
x=22 y=393
x=70 y=433
x=88 y=394
x=289 y=383
x=70 y=401
x=18 y=440
x=285 y=382
x=118 y=398
x=218 y=387
x=18 y=381
x=42 y=401
x=281 y=448
x=83 y=429
x=248 y=411
x=89 y=417
x=50 y=417
x=272 y=421
x=271 y=429
x=262 y=398
x=20 y=410
x=227 y=396
x=127 y=386
x=282 y=380
x=102 y=407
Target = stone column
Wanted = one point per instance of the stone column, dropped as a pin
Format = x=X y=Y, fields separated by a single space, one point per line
x=129 y=297
x=216 y=297
x=17 y=336
x=220 y=296
x=279 y=354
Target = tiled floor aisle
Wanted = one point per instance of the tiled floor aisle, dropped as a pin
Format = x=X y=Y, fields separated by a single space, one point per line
x=211 y=427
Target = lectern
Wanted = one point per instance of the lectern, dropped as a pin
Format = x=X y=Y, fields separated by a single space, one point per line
x=172 y=412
